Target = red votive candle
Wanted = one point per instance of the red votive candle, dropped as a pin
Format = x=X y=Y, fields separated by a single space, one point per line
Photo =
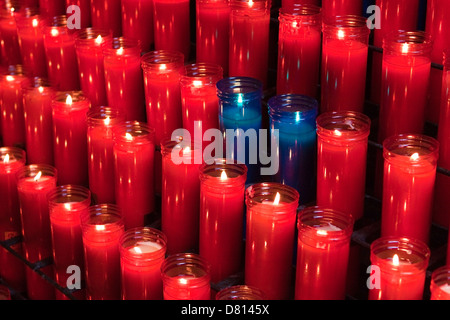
x=172 y=26
x=344 y=63
x=11 y=107
x=11 y=268
x=142 y=252
x=299 y=49
x=69 y=134
x=213 y=32
x=270 y=235
x=240 y=292
x=322 y=254
x=249 y=39
x=34 y=182
x=341 y=161
x=124 y=79
x=107 y=15
x=180 y=196
x=37 y=107
x=100 y=142
x=88 y=44
x=62 y=64
x=222 y=187
x=85 y=11
x=409 y=176
x=333 y=8
x=67 y=204
x=406 y=74
x=9 y=44
x=101 y=230
x=134 y=150
x=440 y=284
x=186 y=276
x=137 y=22
x=399 y=268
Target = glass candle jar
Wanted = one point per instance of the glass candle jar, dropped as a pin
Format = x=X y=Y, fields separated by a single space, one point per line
x=270 y=230
x=222 y=187
x=440 y=284
x=85 y=9
x=322 y=255
x=107 y=15
x=410 y=163
x=333 y=8
x=400 y=265
x=342 y=143
x=240 y=292
x=9 y=46
x=137 y=22
x=186 y=276
x=142 y=251
x=294 y=116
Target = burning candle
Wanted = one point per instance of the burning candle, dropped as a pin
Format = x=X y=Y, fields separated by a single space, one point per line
x=440 y=284
x=100 y=142
x=240 y=292
x=69 y=134
x=409 y=176
x=401 y=266
x=186 y=276
x=406 y=74
x=11 y=107
x=344 y=64
x=134 y=150
x=85 y=10
x=62 y=65
x=341 y=161
x=107 y=15
x=101 y=230
x=124 y=79
x=270 y=229
x=172 y=26
x=67 y=204
x=88 y=44
x=333 y=8
x=299 y=49
x=180 y=195
x=142 y=252
x=240 y=105
x=37 y=107
x=294 y=116
x=222 y=187
x=213 y=32
x=11 y=269
x=322 y=256
x=9 y=44
x=34 y=182
x=249 y=39
x=137 y=22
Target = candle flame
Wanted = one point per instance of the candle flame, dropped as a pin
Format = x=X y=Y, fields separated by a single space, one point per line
x=405 y=48
x=98 y=40
x=69 y=100
x=9 y=78
x=223 y=176
x=137 y=250
x=38 y=176
x=322 y=232
x=395 y=260
x=183 y=281
x=337 y=132
x=128 y=136
x=41 y=89
x=277 y=199
x=6 y=158
x=107 y=121
x=162 y=67
x=250 y=3
x=54 y=32
x=415 y=156
x=35 y=23
x=120 y=51
x=341 y=34
x=197 y=83
x=67 y=206
x=100 y=227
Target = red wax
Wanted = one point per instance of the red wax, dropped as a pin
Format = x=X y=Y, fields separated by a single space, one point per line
x=69 y=134
x=124 y=80
x=88 y=44
x=408 y=185
x=9 y=44
x=180 y=198
x=12 y=119
x=11 y=268
x=172 y=25
x=333 y=8
x=52 y=8
x=299 y=49
x=341 y=161
x=290 y=3
x=85 y=11
x=134 y=150
x=142 y=252
x=344 y=64
x=212 y=30
x=221 y=217
x=400 y=268
x=137 y=22
x=322 y=254
x=33 y=185
x=107 y=15
x=440 y=284
x=249 y=39
x=102 y=229
x=37 y=107
x=67 y=203
x=186 y=276
x=100 y=143
x=62 y=65
x=270 y=229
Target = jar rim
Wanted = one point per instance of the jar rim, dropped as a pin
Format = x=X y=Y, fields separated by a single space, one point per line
x=134 y=235
x=102 y=214
x=411 y=148
x=68 y=193
x=187 y=262
x=301 y=10
x=18 y=153
x=266 y=192
x=240 y=292
x=293 y=107
x=32 y=170
x=134 y=132
x=343 y=125
x=234 y=169
x=246 y=87
x=98 y=115
x=202 y=71
x=418 y=42
x=171 y=59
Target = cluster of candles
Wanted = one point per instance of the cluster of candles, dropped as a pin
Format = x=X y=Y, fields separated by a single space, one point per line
x=87 y=118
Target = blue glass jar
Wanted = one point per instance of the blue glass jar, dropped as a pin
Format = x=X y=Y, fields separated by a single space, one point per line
x=294 y=116
x=240 y=104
